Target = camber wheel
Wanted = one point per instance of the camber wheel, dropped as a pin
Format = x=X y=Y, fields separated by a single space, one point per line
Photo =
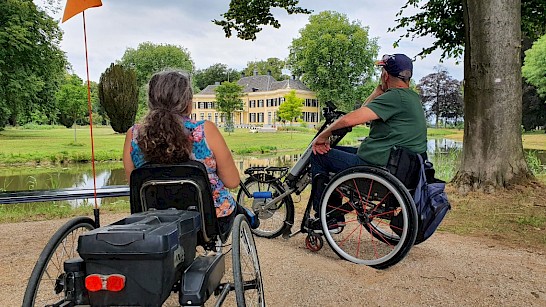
x=371 y=199
x=273 y=217
x=45 y=284
x=247 y=276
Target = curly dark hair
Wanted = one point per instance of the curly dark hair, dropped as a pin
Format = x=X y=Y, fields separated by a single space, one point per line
x=162 y=136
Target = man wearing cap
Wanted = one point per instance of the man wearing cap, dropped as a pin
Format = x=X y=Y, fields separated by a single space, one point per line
x=397 y=120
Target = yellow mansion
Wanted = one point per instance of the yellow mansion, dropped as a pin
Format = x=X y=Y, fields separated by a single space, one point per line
x=263 y=96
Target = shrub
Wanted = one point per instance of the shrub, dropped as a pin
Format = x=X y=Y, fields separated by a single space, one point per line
x=118 y=95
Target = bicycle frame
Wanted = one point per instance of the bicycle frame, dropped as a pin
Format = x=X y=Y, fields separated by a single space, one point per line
x=299 y=176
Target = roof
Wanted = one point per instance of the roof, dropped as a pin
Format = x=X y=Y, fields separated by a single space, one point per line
x=261 y=83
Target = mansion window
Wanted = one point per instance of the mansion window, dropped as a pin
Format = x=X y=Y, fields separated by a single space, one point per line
x=252 y=103
x=311 y=103
x=310 y=117
x=260 y=103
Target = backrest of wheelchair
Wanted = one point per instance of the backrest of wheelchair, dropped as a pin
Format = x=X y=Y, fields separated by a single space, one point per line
x=183 y=186
x=405 y=166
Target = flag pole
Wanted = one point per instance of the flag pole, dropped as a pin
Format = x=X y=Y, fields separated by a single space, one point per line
x=96 y=208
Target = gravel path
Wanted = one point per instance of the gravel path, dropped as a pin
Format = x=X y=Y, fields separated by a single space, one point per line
x=447 y=270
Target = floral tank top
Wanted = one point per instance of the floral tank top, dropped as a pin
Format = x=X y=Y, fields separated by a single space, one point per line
x=223 y=200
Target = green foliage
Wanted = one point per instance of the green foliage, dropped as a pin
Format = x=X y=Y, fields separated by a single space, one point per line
x=228 y=100
x=443 y=20
x=273 y=65
x=245 y=16
x=150 y=58
x=31 y=62
x=535 y=65
x=290 y=109
x=534 y=163
x=71 y=100
x=118 y=94
x=214 y=73
x=334 y=57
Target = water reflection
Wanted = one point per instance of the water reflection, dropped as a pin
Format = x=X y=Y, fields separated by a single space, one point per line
x=443 y=145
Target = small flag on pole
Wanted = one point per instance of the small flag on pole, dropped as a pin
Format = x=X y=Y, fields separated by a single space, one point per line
x=74 y=7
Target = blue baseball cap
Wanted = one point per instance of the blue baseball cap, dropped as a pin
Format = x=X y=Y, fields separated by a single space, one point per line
x=398 y=65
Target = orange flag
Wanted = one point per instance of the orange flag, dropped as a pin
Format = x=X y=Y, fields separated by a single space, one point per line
x=74 y=7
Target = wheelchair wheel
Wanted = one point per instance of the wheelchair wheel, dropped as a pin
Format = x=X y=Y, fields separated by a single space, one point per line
x=377 y=219
x=45 y=284
x=272 y=217
x=247 y=276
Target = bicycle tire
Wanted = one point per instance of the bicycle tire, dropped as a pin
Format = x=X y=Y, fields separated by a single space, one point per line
x=68 y=230
x=271 y=225
x=370 y=188
x=247 y=276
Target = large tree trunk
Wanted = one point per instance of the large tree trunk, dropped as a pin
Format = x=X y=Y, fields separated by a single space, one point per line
x=492 y=149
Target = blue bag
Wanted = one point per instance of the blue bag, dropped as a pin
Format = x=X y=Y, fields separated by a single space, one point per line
x=430 y=201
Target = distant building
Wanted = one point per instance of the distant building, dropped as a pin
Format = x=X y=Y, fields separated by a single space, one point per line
x=263 y=96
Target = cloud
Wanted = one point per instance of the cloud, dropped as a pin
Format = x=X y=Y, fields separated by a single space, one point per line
x=120 y=24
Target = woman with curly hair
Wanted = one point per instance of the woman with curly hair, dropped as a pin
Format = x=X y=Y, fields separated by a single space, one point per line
x=167 y=135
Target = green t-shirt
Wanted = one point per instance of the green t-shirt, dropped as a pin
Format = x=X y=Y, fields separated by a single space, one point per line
x=401 y=123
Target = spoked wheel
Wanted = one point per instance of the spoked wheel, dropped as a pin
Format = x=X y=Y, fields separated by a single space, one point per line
x=247 y=276
x=377 y=216
x=45 y=284
x=273 y=217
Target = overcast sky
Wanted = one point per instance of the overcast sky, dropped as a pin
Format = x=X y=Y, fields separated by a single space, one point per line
x=120 y=24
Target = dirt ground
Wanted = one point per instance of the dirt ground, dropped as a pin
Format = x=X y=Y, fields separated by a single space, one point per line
x=447 y=270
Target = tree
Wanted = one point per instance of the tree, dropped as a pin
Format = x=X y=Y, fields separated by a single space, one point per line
x=150 y=58
x=534 y=109
x=334 y=57
x=215 y=73
x=71 y=101
x=535 y=65
x=491 y=33
x=28 y=82
x=492 y=156
x=271 y=65
x=228 y=100
x=290 y=109
x=246 y=16
x=441 y=95
x=444 y=20
x=118 y=94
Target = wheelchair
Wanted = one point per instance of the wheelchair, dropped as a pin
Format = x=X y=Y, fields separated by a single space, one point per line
x=149 y=258
x=378 y=220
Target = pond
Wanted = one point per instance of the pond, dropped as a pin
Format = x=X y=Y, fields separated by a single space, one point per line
x=443 y=152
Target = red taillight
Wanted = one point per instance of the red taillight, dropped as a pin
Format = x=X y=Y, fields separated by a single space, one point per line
x=97 y=282
x=115 y=282
x=93 y=283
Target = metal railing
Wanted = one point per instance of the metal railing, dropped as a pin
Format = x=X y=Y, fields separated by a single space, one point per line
x=7 y=198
